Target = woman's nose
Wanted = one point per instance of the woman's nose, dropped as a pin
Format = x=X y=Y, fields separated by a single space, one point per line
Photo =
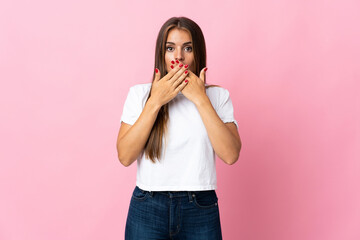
x=179 y=55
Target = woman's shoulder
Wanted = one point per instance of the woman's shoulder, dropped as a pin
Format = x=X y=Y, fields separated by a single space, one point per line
x=141 y=88
x=140 y=93
x=216 y=90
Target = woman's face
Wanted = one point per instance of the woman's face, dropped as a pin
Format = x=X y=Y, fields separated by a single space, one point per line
x=179 y=47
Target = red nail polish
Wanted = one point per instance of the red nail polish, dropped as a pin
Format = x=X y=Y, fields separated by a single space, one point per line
x=181 y=65
x=173 y=62
x=177 y=61
x=186 y=66
x=186 y=72
x=172 y=66
x=205 y=69
x=156 y=70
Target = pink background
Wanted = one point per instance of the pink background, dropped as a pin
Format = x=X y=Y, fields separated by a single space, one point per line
x=292 y=69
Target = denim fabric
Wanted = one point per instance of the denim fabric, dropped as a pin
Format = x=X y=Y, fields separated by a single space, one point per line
x=184 y=215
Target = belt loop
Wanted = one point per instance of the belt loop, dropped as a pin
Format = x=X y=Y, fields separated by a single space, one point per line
x=191 y=195
x=151 y=193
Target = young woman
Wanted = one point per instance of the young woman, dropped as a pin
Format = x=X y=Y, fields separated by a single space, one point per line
x=173 y=127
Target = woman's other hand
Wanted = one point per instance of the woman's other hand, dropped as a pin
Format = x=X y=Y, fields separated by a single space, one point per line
x=195 y=88
x=166 y=88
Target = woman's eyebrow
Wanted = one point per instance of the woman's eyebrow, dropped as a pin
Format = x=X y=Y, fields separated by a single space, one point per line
x=174 y=43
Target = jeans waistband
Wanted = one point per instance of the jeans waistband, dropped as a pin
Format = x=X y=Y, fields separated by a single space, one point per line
x=173 y=194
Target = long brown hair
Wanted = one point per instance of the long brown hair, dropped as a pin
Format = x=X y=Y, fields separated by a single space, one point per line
x=153 y=146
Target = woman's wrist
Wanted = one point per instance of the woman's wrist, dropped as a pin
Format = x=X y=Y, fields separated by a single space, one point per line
x=202 y=101
x=154 y=104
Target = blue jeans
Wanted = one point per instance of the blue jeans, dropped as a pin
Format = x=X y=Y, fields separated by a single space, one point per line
x=184 y=215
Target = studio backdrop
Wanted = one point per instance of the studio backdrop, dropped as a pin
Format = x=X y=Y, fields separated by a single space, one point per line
x=292 y=70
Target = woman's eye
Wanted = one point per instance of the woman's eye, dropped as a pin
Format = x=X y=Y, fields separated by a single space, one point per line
x=170 y=49
x=189 y=49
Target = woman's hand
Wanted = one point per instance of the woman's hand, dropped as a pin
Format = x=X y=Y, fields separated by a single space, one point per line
x=195 y=88
x=166 y=88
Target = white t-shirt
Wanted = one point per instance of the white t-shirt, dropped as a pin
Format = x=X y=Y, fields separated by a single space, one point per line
x=188 y=161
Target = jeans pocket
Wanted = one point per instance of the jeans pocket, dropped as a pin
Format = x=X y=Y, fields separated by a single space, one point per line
x=205 y=199
x=139 y=194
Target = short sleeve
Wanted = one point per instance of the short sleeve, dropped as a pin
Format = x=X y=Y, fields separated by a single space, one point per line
x=225 y=109
x=132 y=107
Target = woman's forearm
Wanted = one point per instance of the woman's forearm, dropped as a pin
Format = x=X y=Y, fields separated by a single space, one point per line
x=133 y=142
x=226 y=145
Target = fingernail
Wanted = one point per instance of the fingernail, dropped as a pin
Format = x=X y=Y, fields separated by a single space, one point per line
x=172 y=66
x=186 y=66
x=181 y=65
x=156 y=70
x=186 y=72
x=173 y=62
x=205 y=69
x=186 y=80
x=177 y=61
